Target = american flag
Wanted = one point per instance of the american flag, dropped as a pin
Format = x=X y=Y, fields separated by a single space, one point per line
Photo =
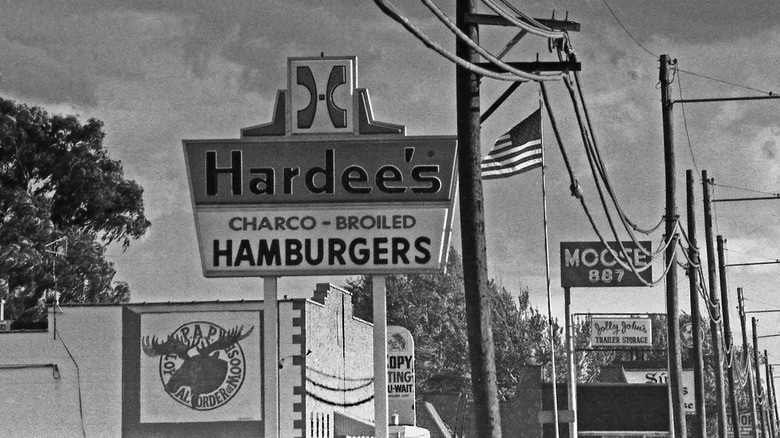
x=517 y=151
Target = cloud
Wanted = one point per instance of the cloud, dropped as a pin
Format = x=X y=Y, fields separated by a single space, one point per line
x=770 y=149
x=62 y=56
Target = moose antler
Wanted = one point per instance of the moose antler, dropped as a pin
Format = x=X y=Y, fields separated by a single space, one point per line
x=225 y=340
x=172 y=345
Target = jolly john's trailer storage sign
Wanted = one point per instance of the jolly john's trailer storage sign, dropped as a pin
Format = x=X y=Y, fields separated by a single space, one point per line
x=312 y=198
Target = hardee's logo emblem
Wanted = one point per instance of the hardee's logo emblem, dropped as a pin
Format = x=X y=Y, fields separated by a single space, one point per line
x=322 y=94
x=202 y=365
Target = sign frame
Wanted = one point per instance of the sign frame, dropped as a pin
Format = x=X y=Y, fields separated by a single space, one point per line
x=617 y=325
x=586 y=264
x=330 y=161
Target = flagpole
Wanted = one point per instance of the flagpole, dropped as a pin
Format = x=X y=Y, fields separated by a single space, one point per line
x=549 y=304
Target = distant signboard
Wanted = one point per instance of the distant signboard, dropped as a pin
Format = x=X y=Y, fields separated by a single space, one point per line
x=745 y=424
x=662 y=376
x=621 y=332
x=592 y=264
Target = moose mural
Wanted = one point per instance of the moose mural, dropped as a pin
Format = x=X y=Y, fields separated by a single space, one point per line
x=204 y=358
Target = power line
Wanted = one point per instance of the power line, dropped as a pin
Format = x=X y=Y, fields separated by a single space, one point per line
x=685 y=123
x=770 y=93
x=766 y=258
x=747 y=190
x=626 y=30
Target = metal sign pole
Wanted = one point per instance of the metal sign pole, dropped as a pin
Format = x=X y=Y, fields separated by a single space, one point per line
x=271 y=358
x=572 y=387
x=379 y=288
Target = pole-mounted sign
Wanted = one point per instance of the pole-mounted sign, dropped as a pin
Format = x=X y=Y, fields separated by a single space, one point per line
x=323 y=188
x=621 y=331
x=591 y=264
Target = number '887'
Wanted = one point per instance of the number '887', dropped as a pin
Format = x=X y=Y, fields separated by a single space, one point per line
x=606 y=275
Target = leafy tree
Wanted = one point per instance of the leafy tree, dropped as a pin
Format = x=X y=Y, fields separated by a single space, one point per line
x=58 y=184
x=432 y=308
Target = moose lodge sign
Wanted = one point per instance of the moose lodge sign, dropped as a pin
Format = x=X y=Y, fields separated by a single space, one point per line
x=200 y=367
x=592 y=264
x=323 y=189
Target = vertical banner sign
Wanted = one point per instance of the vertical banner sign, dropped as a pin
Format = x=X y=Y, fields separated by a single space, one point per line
x=324 y=189
x=400 y=376
x=621 y=332
x=591 y=264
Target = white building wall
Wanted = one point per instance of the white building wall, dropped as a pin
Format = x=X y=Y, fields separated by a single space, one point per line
x=37 y=401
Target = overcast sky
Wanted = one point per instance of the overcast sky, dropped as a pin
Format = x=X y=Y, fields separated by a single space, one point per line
x=157 y=72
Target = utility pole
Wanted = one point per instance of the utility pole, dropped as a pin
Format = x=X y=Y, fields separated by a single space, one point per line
x=746 y=362
x=715 y=316
x=771 y=379
x=487 y=417
x=727 y=338
x=700 y=429
x=762 y=412
x=672 y=303
x=771 y=419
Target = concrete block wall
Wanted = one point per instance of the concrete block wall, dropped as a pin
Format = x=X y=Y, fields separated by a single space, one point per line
x=292 y=382
x=339 y=367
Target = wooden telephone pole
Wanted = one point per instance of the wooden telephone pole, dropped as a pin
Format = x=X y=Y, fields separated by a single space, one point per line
x=700 y=428
x=727 y=338
x=715 y=335
x=672 y=302
x=762 y=412
x=746 y=362
x=487 y=418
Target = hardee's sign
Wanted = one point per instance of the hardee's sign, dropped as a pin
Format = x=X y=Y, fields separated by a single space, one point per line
x=323 y=188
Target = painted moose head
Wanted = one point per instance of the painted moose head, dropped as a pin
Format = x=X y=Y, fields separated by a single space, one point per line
x=204 y=371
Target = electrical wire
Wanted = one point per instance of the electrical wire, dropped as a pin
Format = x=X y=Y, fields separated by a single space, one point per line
x=536 y=30
x=592 y=162
x=690 y=262
x=523 y=15
x=577 y=193
x=393 y=13
x=332 y=376
x=626 y=30
x=688 y=241
x=770 y=93
x=595 y=161
x=78 y=381
x=685 y=123
x=333 y=388
x=597 y=154
x=479 y=49
x=598 y=171
x=343 y=405
x=745 y=189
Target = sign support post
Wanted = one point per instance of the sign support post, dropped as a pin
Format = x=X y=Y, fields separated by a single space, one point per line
x=271 y=357
x=379 y=288
x=572 y=386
